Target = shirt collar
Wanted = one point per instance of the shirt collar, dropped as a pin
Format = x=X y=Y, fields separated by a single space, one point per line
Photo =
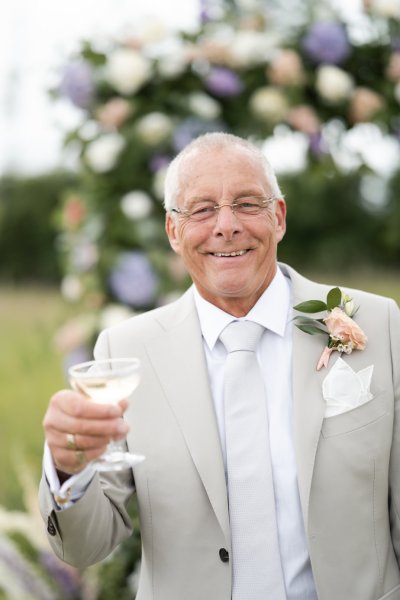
x=271 y=311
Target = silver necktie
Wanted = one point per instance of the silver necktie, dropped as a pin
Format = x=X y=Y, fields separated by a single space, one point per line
x=257 y=570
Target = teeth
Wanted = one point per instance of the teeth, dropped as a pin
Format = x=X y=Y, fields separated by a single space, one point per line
x=238 y=253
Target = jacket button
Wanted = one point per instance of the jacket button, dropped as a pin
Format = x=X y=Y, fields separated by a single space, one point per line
x=224 y=554
x=50 y=527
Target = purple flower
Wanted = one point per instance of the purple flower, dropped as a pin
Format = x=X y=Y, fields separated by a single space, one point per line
x=66 y=577
x=21 y=571
x=77 y=84
x=133 y=280
x=204 y=12
x=191 y=128
x=327 y=42
x=317 y=145
x=159 y=161
x=395 y=43
x=223 y=82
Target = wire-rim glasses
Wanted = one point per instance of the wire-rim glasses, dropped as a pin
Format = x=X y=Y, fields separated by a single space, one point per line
x=207 y=211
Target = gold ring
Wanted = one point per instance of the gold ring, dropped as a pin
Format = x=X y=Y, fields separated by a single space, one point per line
x=80 y=457
x=71 y=441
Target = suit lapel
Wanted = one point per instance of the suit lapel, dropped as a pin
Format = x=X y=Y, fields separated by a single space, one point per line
x=179 y=361
x=176 y=355
x=308 y=403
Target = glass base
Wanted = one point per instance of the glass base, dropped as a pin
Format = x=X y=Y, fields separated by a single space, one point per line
x=116 y=461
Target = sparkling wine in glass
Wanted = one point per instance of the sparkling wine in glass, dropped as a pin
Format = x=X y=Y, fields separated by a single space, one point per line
x=108 y=381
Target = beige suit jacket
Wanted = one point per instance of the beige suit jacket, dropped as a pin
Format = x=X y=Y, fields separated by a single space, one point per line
x=348 y=465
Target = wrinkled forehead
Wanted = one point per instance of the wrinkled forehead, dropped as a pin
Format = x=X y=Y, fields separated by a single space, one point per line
x=221 y=168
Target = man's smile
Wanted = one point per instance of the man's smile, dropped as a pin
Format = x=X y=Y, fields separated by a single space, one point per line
x=229 y=254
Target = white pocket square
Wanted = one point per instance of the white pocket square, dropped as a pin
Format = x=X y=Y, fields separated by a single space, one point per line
x=343 y=389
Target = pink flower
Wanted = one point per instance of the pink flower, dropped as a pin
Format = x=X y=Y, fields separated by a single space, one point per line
x=393 y=68
x=114 y=113
x=304 y=118
x=286 y=69
x=364 y=104
x=74 y=212
x=343 y=329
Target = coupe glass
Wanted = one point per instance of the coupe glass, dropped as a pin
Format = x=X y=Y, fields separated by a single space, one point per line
x=107 y=382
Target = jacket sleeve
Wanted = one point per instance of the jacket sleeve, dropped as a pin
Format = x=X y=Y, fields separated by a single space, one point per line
x=88 y=531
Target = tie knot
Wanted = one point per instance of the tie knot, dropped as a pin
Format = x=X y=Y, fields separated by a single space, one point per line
x=241 y=335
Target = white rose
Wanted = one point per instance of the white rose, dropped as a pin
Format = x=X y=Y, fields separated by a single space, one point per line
x=113 y=314
x=203 y=106
x=287 y=150
x=383 y=156
x=127 y=70
x=136 y=205
x=154 y=128
x=102 y=154
x=252 y=47
x=269 y=104
x=333 y=84
x=71 y=288
x=152 y=30
x=386 y=8
x=172 y=64
x=159 y=183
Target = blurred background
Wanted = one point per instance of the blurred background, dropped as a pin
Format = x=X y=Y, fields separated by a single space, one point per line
x=96 y=97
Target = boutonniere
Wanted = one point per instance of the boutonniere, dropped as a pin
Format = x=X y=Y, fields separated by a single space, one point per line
x=344 y=335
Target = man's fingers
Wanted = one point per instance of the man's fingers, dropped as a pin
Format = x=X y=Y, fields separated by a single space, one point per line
x=80 y=406
x=78 y=430
x=57 y=439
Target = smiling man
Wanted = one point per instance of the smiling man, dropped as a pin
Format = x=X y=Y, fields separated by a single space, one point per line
x=227 y=222
x=264 y=478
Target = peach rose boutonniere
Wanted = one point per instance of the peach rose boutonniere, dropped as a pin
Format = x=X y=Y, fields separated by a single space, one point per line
x=344 y=335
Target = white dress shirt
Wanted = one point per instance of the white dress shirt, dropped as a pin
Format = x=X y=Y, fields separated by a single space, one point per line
x=273 y=311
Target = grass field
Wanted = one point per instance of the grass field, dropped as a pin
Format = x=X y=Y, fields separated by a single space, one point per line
x=31 y=369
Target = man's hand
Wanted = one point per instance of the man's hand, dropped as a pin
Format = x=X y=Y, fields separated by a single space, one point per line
x=77 y=430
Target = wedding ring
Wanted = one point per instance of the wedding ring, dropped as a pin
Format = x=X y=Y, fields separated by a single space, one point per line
x=71 y=441
x=80 y=457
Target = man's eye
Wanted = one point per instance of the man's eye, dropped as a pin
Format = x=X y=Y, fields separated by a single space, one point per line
x=203 y=210
x=246 y=204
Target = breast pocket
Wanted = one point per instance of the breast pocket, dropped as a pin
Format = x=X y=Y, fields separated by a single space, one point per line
x=359 y=417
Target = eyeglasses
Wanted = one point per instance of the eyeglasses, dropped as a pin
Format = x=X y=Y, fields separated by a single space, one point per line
x=207 y=211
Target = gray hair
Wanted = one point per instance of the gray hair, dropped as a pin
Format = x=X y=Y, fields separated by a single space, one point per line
x=212 y=141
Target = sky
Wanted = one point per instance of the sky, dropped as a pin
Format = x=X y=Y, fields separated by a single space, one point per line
x=36 y=39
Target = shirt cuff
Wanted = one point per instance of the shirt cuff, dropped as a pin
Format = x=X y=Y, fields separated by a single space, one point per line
x=72 y=489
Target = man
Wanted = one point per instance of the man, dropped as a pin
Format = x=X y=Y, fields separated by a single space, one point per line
x=332 y=528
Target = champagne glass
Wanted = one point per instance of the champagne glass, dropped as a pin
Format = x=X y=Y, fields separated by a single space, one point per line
x=108 y=381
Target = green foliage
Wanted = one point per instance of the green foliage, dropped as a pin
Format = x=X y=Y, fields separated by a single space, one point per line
x=330 y=227
x=311 y=306
x=30 y=372
x=117 y=576
x=27 y=229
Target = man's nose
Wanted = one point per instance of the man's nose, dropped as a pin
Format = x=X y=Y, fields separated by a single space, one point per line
x=227 y=222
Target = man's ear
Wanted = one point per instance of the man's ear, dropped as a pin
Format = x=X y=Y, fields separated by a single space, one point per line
x=172 y=232
x=280 y=217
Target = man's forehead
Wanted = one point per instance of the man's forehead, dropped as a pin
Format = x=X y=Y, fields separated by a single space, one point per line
x=203 y=165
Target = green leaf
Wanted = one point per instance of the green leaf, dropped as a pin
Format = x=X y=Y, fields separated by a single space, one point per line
x=311 y=329
x=334 y=298
x=307 y=322
x=311 y=306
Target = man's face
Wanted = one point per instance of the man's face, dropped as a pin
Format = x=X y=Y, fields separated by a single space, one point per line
x=223 y=175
